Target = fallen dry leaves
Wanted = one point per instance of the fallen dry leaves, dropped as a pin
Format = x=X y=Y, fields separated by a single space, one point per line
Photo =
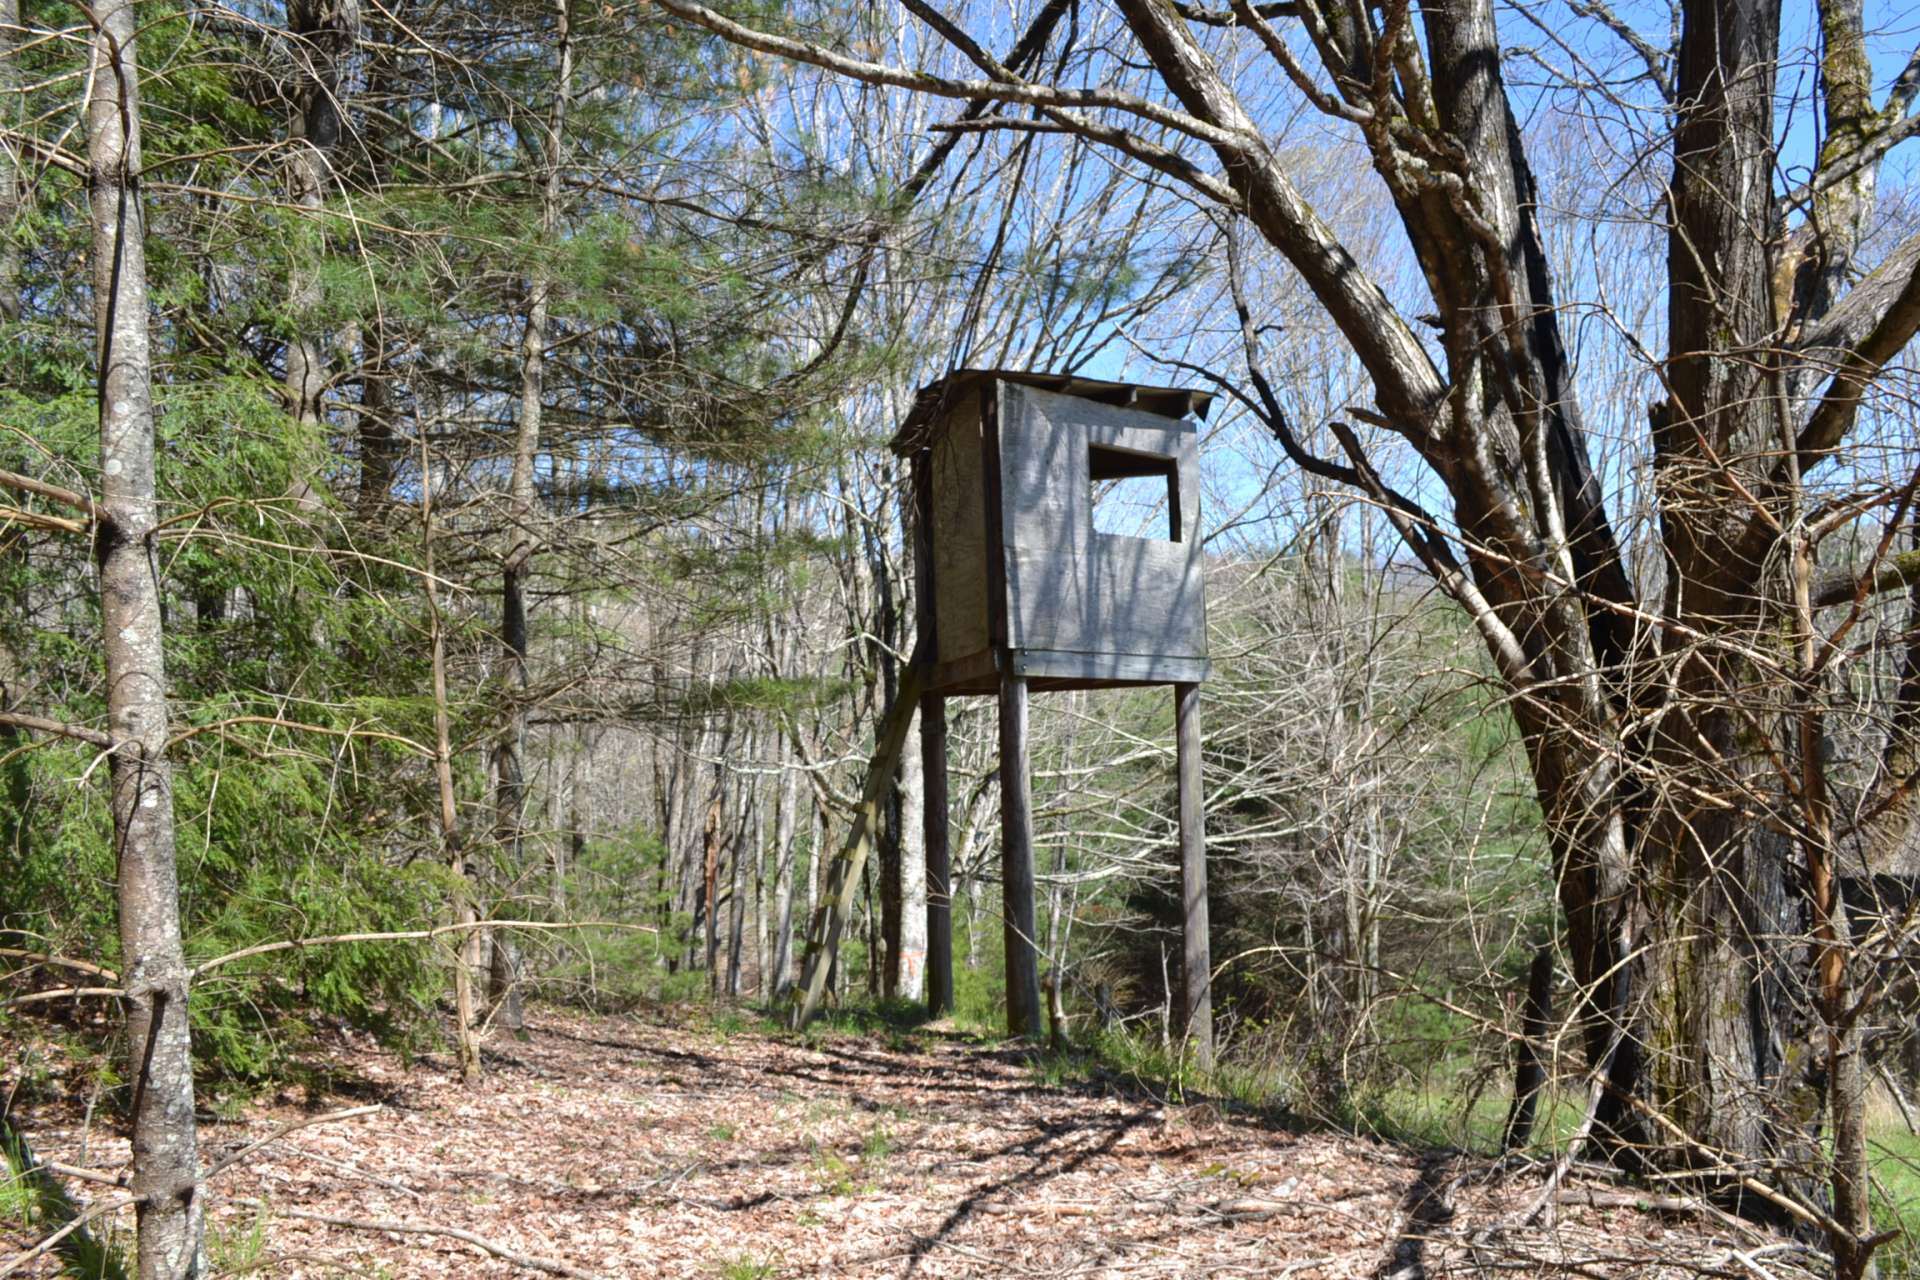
x=635 y=1147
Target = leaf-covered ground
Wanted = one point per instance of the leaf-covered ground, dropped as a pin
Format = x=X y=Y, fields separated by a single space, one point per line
x=637 y=1147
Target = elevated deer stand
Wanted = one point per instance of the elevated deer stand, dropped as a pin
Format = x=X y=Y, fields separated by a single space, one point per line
x=1018 y=592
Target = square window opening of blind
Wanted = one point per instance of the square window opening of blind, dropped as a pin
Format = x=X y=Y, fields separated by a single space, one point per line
x=1135 y=495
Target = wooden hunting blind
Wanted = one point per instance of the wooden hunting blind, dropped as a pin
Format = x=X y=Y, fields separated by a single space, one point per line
x=1017 y=576
x=1018 y=587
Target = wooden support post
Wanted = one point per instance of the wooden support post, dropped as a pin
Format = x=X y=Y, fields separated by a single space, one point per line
x=1196 y=950
x=1016 y=861
x=933 y=751
x=843 y=876
x=933 y=782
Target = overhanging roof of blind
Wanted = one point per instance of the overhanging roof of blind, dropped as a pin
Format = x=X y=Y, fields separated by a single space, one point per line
x=934 y=398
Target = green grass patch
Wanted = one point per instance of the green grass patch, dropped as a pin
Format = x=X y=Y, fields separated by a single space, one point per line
x=900 y=1024
x=238 y=1247
x=1895 y=1154
x=33 y=1200
x=834 y=1175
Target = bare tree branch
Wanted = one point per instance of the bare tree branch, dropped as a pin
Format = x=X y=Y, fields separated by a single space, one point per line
x=58 y=728
x=1833 y=417
x=1889 y=573
x=925 y=82
x=40 y=488
x=1223 y=18
x=1657 y=60
x=1406 y=381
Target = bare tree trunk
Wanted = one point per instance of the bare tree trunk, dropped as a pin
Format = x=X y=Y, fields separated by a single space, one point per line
x=376 y=442
x=909 y=959
x=821 y=832
x=666 y=889
x=580 y=776
x=845 y=876
x=938 y=873
x=1849 y=1177
x=166 y=1159
x=757 y=873
x=969 y=851
x=876 y=943
x=710 y=842
x=321 y=29
x=466 y=952
x=13 y=825
x=875 y=582
x=10 y=111
x=690 y=844
x=745 y=844
x=510 y=770
x=887 y=935
x=378 y=446
x=1529 y=1071
x=785 y=850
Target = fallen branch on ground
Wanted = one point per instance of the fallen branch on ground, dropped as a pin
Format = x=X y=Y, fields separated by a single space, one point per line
x=529 y=1261
x=1241 y=1208
x=356 y=1171
x=285 y=1129
x=1593 y=1199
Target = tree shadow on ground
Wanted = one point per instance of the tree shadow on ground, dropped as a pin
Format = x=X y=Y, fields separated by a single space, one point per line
x=1426 y=1210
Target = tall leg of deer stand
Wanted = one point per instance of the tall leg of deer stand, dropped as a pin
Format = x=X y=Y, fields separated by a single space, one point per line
x=1016 y=861
x=1196 y=949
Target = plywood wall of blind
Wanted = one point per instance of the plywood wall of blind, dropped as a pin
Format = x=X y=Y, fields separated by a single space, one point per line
x=1070 y=587
x=959 y=534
